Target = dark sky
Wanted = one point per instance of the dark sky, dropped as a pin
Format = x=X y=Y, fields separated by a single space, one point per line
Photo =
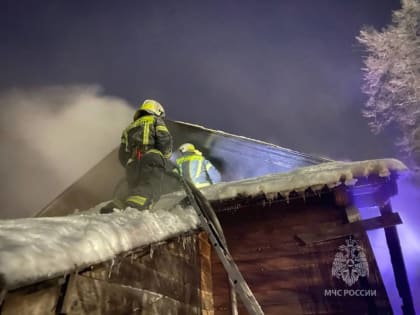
x=287 y=72
x=283 y=71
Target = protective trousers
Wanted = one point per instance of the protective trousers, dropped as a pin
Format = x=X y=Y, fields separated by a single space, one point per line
x=145 y=180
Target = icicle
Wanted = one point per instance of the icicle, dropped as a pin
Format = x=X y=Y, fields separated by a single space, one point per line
x=184 y=243
x=117 y=268
x=110 y=267
x=2 y=295
x=63 y=279
x=151 y=252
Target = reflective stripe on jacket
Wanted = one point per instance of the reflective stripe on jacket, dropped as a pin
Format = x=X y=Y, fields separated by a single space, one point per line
x=145 y=133
x=198 y=170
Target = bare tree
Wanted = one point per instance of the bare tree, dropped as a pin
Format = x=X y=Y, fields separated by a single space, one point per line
x=392 y=77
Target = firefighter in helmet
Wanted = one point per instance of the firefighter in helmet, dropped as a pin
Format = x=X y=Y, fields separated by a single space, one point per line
x=193 y=166
x=146 y=144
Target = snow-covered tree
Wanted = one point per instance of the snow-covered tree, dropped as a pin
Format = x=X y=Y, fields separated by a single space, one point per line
x=392 y=77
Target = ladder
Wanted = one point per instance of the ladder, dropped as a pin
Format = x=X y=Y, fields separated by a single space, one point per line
x=211 y=225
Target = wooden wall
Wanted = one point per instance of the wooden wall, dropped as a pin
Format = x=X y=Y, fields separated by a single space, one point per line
x=167 y=278
x=286 y=276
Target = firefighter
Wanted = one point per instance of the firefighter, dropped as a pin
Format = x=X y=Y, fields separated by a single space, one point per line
x=146 y=144
x=193 y=166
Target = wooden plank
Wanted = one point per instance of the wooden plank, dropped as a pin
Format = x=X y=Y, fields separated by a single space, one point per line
x=353 y=214
x=267 y=237
x=313 y=301
x=261 y=238
x=293 y=251
x=268 y=310
x=280 y=297
x=319 y=307
x=90 y=296
x=271 y=250
x=171 y=270
x=373 y=194
x=206 y=286
x=290 y=309
x=182 y=248
x=244 y=203
x=37 y=302
x=307 y=273
x=181 y=285
x=261 y=281
x=204 y=244
x=278 y=218
x=323 y=233
x=297 y=308
x=286 y=275
x=221 y=292
x=165 y=271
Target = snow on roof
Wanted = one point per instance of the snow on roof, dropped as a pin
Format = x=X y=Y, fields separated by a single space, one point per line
x=315 y=177
x=34 y=249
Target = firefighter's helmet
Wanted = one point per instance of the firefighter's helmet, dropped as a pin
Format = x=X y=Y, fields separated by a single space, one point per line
x=152 y=107
x=187 y=147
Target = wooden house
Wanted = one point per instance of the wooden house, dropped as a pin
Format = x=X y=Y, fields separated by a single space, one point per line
x=296 y=236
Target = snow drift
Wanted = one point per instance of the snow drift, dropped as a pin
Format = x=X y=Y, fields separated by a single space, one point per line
x=34 y=249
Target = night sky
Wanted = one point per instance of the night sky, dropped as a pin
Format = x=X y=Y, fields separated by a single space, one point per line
x=283 y=71
x=287 y=72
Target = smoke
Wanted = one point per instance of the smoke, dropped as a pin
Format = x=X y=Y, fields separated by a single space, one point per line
x=50 y=136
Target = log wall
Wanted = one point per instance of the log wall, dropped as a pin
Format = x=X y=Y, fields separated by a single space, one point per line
x=287 y=276
x=173 y=277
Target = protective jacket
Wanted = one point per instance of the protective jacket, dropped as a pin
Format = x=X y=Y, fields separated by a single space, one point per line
x=145 y=146
x=143 y=134
x=194 y=167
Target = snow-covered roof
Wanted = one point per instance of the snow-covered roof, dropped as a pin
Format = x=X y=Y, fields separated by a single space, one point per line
x=314 y=177
x=33 y=249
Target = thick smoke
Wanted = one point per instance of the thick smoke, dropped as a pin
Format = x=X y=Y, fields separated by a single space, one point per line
x=50 y=136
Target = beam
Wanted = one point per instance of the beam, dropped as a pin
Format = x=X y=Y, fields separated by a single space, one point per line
x=325 y=232
x=398 y=264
